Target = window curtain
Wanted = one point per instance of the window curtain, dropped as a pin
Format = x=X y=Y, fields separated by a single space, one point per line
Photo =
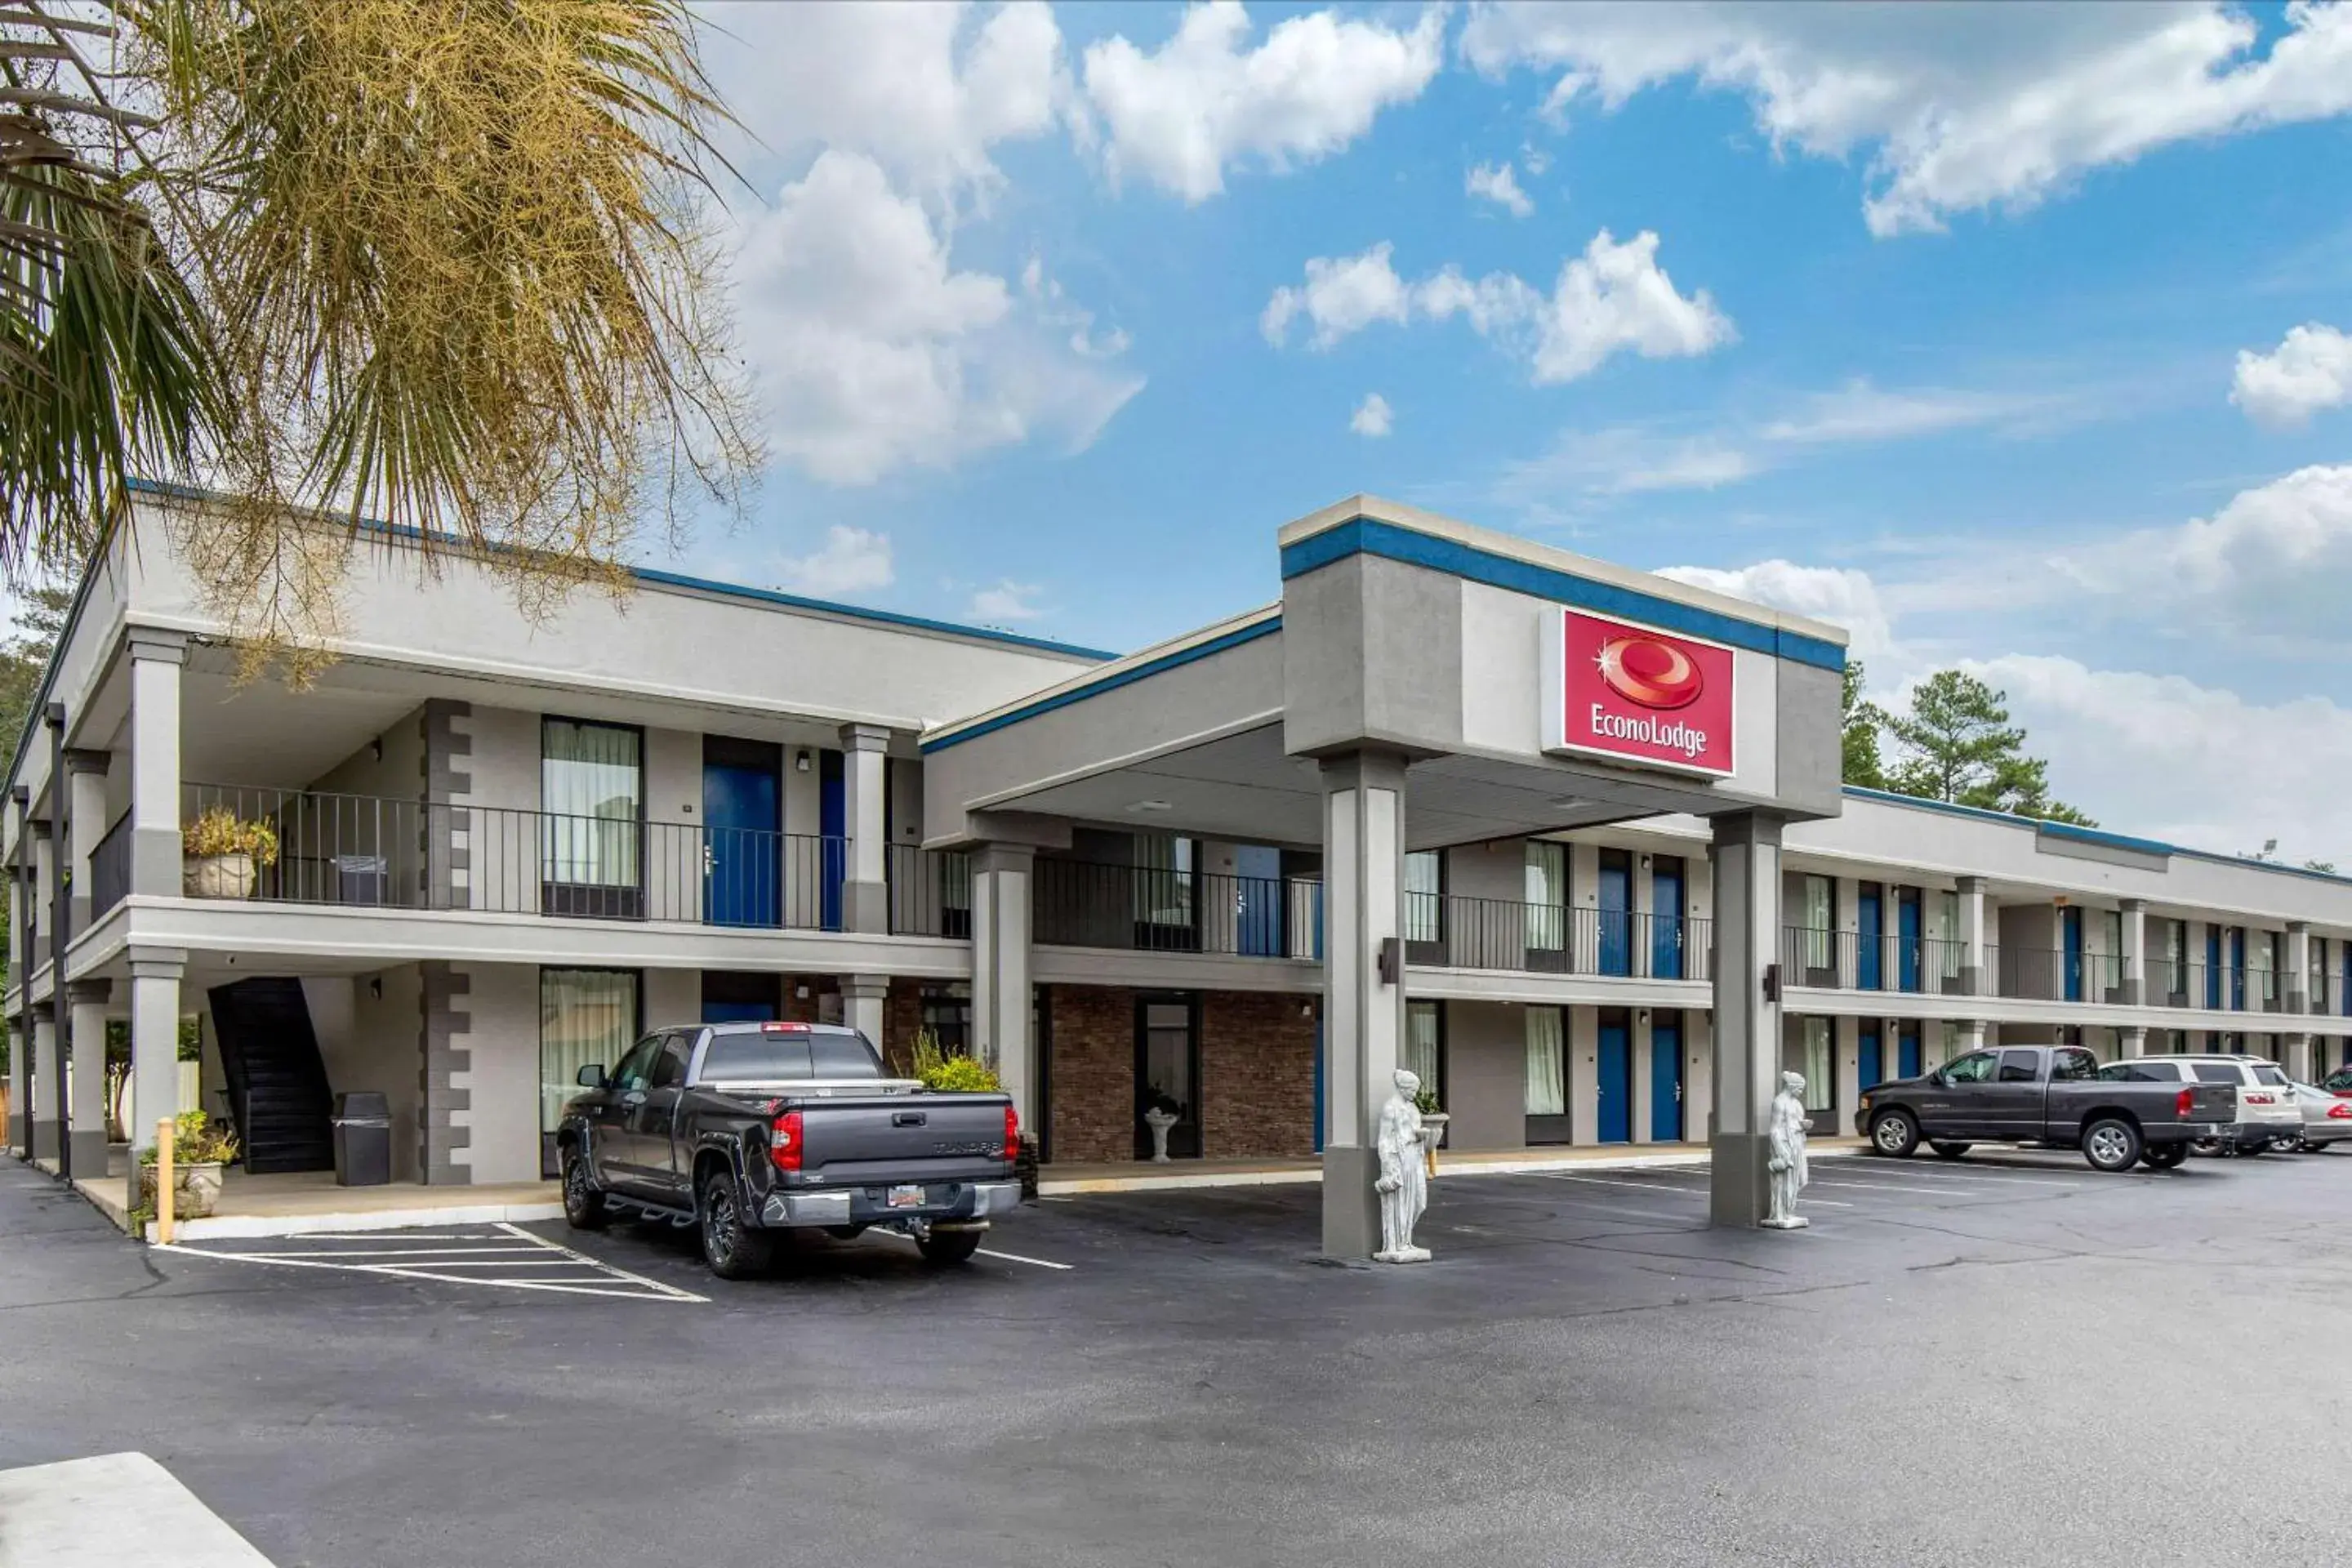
x=1425 y=889
x=1163 y=889
x=1949 y=968
x=1547 y=1061
x=584 y=1016
x=1820 y=917
x=1820 y=1088
x=592 y=788
x=1421 y=1055
x=1547 y=896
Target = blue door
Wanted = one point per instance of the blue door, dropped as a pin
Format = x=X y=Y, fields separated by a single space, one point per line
x=1872 y=1067
x=1907 y=939
x=1667 y=924
x=740 y=826
x=1666 y=1078
x=1616 y=914
x=2070 y=945
x=1615 y=1106
x=2213 y=966
x=833 y=846
x=1906 y=1051
x=1257 y=901
x=1869 y=929
x=739 y=1012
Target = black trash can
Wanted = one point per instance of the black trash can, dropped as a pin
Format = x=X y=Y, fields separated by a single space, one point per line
x=363 y=1139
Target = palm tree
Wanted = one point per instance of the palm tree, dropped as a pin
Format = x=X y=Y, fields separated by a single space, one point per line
x=440 y=263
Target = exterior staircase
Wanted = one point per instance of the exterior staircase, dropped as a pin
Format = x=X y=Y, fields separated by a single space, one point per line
x=276 y=1083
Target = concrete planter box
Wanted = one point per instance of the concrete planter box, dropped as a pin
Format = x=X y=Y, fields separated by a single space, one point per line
x=218 y=877
x=195 y=1189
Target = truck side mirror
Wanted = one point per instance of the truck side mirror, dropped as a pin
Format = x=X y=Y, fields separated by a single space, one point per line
x=592 y=1076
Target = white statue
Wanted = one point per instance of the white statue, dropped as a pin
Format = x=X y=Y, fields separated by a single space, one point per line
x=1403 y=1144
x=1785 y=1135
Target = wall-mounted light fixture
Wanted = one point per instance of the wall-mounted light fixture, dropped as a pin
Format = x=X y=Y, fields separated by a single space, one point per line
x=801 y=762
x=375 y=986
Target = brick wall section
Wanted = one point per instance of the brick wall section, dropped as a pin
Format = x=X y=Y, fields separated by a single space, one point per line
x=1093 y=1073
x=1258 y=1075
x=902 y=1015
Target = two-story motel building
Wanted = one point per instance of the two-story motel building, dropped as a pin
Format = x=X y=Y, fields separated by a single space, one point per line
x=1566 y=838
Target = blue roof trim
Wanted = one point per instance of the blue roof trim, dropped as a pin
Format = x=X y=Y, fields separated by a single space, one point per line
x=1370 y=536
x=730 y=590
x=2089 y=834
x=1143 y=671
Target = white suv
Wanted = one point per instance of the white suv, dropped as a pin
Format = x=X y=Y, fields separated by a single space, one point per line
x=2268 y=1115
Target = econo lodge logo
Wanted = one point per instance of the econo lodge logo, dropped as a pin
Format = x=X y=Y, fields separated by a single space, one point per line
x=1654 y=673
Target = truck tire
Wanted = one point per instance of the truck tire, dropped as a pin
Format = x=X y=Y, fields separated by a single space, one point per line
x=941 y=1247
x=1894 y=1134
x=1948 y=1148
x=583 y=1205
x=2164 y=1156
x=733 y=1249
x=2112 y=1144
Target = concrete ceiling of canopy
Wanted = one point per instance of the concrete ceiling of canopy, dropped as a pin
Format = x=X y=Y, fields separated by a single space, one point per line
x=1243 y=786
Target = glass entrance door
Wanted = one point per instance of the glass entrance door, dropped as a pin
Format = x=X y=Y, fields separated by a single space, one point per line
x=1168 y=1073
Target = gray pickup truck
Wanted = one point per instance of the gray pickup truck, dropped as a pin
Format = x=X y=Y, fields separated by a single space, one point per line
x=2050 y=1095
x=745 y=1130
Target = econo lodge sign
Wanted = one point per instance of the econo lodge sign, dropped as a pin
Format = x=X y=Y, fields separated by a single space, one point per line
x=1614 y=689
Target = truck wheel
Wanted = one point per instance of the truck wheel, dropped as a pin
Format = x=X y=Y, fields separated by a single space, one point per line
x=733 y=1249
x=1948 y=1148
x=583 y=1205
x=2111 y=1144
x=1894 y=1134
x=940 y=1247
x=2164 y=1156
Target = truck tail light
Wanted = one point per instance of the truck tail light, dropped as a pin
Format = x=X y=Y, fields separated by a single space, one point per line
x=784 y=1140
x=2182 y=1102
x=1012 y=1133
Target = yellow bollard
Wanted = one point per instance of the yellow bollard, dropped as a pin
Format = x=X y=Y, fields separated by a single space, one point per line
x=164 y=1130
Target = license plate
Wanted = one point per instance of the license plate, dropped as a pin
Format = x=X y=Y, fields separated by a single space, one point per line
x=907 y=1197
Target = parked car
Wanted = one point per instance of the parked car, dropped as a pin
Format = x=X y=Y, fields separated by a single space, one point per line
x=746 y=1129
x=2338 y=1083
x=2327 y=1119
x=2045 y=1094
x=2265 y=1116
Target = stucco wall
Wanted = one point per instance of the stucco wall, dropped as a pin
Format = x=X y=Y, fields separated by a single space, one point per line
x=502 y=1073
x=384 y=1052
x=1486 y=1075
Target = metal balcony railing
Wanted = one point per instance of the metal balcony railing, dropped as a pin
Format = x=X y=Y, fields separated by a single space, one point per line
x=416 y=854
x=1143 y=909
x=2056 y=974
x=1554 y=939
x=110 y=869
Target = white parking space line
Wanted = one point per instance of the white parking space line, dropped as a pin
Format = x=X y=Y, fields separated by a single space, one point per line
x=992 y=1252
x=1892 y=1187
x=510 y=1258
x=1982 y=1175
x=1658 y=1187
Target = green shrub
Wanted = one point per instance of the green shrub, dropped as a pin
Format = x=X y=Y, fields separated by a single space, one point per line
x=196 y=1139
x=956 y=1074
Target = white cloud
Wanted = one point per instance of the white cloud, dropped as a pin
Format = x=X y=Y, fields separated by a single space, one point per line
x=2310 y=370
x=1614 y=297
x=1962 y=107
x=925 y=90
x=1373 y=417
x=1859 y=411
x=1842 y=596
x=853 y=560
x=1203 y=102
x=872 y=352
x=1499 y=184
x=1006 y=601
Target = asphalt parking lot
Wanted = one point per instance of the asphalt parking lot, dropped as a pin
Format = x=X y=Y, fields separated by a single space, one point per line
x=2010 y=1360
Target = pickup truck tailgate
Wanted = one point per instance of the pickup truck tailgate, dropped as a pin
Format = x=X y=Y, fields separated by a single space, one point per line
x=2211 y=1102
x=902 y=1138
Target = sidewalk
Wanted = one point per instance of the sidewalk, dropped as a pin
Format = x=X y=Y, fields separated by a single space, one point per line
x=1142 y=1176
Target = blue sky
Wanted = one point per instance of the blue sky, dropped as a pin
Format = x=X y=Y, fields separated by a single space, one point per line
x=1967 y=327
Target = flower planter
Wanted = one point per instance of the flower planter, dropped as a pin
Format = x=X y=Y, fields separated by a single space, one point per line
x=218 y=877
x=1432 y=1136
x=195 y=1189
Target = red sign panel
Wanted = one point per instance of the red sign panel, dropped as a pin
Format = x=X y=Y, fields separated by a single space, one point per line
x=1621 y=690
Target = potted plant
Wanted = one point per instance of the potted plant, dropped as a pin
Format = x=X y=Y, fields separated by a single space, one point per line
x=1432 y=1123
x=222 y=854
x=200 y=1148
x=956 y=1073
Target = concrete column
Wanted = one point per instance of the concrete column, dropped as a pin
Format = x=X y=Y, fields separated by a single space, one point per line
x=2296 y=996
x=865 y=893
x=1746 y=857
x=863 y=999
x=154 y=1047
x=48 y=1112
x=20 y=1044
x=1363 y=983
x=1002 y=1013
x=20 y=1085
x=155 y=659
x=2131 y=1042
x=1974 y=981
x=85 y=825
x=2298 y=1057
x=88 y=999
x=2132 y=974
